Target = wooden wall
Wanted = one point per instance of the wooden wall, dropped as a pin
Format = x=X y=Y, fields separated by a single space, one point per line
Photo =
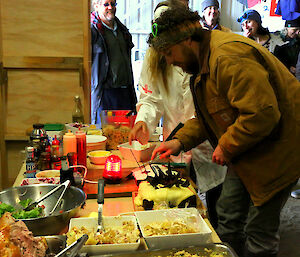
x=46 y=57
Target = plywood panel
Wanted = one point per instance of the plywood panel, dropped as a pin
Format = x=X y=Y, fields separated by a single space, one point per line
x=42 y=28
x=40 y=96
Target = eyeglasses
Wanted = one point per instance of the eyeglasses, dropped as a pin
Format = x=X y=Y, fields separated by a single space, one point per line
x=111 y=4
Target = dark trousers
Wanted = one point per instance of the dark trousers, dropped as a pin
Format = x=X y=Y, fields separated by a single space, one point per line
x=251 y=230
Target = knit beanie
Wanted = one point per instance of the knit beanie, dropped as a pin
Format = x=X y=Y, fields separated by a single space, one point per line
x=250 y=15
x=208 y=3
x=293 y=23
x=173 y=25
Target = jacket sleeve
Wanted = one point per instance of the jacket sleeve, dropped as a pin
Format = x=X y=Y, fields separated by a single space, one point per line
x=191 y=134
x=150 y=107
x=298 y=68
x=245 y=84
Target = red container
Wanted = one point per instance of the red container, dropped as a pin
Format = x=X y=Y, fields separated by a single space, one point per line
x=118 y=118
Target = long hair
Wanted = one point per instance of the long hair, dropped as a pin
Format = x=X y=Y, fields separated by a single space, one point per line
x=158 y=68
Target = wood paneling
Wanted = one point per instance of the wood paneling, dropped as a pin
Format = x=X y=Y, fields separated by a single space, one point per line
x=42 y=28
x=40 y=96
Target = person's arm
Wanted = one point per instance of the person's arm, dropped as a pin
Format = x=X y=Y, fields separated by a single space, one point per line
x=245 y=83
x=150 y=106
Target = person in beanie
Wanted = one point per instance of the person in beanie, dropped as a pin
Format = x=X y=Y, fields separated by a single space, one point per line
x=211 y=15
x=288 y=52
x=252 y=27
x=248 y=106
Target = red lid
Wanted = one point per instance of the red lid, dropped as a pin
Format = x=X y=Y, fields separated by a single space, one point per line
x=55 y=141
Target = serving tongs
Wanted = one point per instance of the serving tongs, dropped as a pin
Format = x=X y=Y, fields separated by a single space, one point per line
x=100 y=201
x=74 y=248
x=66 y=184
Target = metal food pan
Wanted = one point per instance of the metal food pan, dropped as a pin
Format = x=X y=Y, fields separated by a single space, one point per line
x=206 y=250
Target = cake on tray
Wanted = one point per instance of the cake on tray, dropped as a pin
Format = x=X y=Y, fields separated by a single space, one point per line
x=163 y=188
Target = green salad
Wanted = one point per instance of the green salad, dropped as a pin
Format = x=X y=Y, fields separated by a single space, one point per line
x=21 y=214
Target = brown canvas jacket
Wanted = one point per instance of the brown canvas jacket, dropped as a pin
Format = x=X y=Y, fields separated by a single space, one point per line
x=249 y=103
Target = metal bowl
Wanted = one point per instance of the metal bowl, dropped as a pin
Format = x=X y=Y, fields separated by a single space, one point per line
x=71 y=202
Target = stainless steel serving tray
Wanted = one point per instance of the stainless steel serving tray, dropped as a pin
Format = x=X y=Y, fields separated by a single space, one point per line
x=204 y=250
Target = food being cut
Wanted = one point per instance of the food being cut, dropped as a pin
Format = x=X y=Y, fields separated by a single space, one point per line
x=17 y=241
x=164 y=188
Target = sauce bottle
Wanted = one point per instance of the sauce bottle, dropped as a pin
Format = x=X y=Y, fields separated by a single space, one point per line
x=81 y=147
x=69 y=143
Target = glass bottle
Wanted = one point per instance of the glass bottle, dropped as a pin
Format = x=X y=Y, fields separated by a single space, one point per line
x=30 y=163
x=77 y=115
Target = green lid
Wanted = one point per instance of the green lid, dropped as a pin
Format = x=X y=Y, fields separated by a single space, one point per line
x=54 y=126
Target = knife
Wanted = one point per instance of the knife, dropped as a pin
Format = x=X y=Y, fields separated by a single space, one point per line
x=100 y=201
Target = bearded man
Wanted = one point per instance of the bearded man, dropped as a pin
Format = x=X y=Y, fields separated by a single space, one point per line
x=248 y=106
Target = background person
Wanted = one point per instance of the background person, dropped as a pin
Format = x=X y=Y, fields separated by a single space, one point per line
x=165 y=93
x=252 y=28
x=288 y=52
x=112 y=85
x=247 y=105
x=211 y=15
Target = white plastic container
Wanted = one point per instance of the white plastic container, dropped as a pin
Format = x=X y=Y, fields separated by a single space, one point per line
x=136 y=151
x=108 y=221
x=192 y=217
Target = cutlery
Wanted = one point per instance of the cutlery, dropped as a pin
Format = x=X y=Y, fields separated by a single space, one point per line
x=100 y=201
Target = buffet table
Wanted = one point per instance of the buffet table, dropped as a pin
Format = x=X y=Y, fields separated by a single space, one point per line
x=118 y=197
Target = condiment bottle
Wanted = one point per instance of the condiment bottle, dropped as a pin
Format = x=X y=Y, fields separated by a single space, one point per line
x=77 y=115
x=55 y=162
x=69 y=143
x=30 y=163
x=81 y=147
x=55 y=147
x=45 y=161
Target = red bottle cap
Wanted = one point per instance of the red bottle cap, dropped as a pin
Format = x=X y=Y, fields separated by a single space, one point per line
x=55 y=141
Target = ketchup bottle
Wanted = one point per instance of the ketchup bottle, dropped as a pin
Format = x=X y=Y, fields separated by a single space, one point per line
x=81 y=147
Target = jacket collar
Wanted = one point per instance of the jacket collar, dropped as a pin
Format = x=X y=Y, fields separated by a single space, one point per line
x=204 y=53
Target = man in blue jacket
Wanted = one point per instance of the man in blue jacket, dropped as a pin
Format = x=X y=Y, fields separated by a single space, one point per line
x=112 y=85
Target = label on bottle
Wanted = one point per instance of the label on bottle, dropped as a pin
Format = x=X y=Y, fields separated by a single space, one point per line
x=30 y=166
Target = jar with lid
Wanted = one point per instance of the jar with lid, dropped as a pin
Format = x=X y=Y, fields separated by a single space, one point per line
x=38 y=132
x=77 y=115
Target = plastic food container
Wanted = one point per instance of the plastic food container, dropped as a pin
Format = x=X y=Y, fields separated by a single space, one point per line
x=108 y=221
x=191 y=217
x=136 y=151
x=117 y=118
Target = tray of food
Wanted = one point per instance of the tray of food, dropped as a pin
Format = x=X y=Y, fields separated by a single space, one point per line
x=164 y=229
x=120 y=234
x=205 y=250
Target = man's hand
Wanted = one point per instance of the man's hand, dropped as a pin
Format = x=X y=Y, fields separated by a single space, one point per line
x=172 y=147
x=140 y=133
x=218 y=156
